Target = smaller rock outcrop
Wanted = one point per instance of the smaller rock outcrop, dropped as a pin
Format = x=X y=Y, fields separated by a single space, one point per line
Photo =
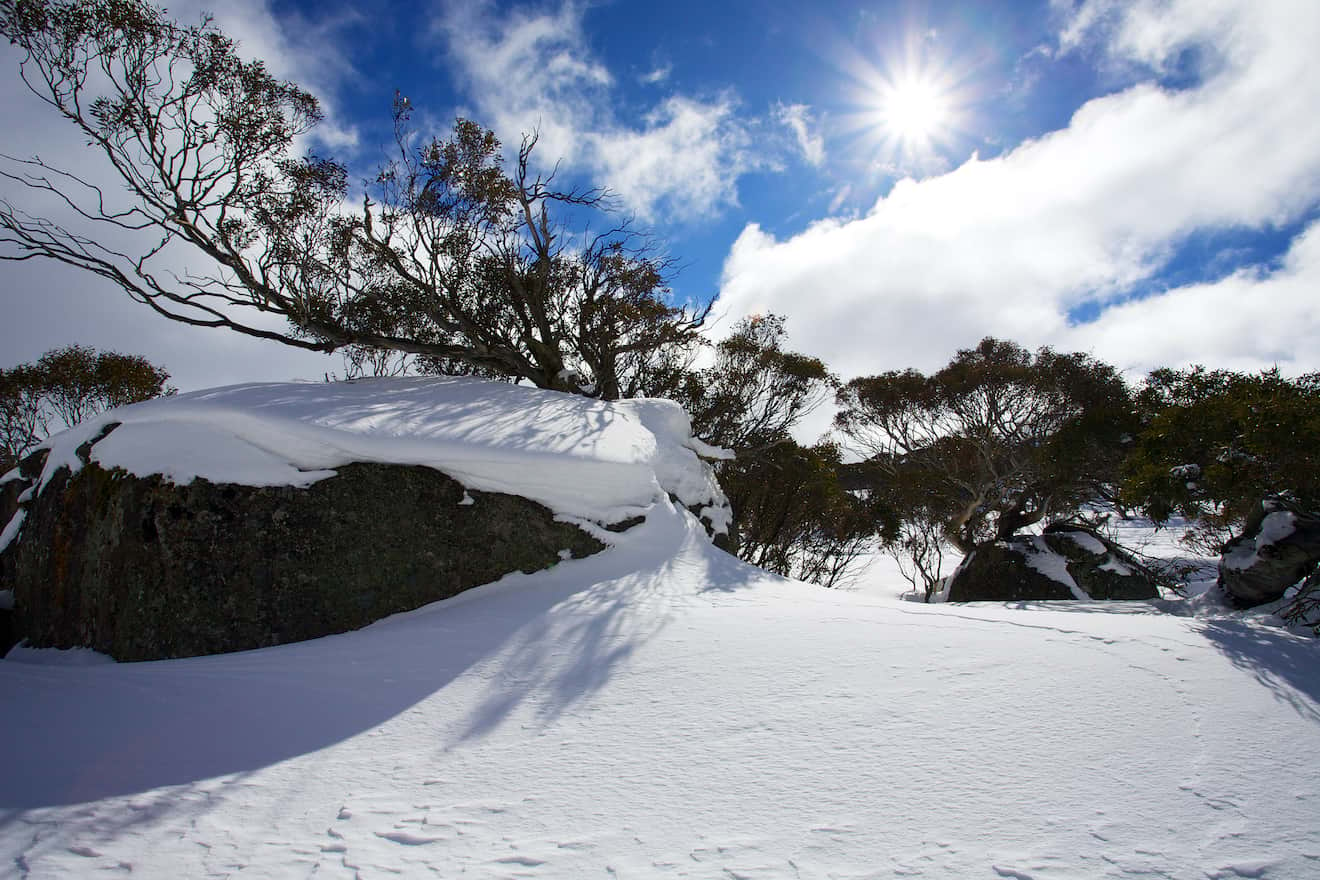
x=1003 y=571
x=1066 y=562
x=1279 y=545
x=1101 y=568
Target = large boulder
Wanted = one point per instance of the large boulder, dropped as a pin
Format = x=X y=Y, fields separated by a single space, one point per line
x=140 y=568
x=1066 y=562
x=1279 y=545
x=256 y=514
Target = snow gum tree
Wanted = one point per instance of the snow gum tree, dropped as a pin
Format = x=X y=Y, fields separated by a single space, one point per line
x=792 y=515
x=1214 y=443
x=997 y=440
x=66 y=386
x=754 y=391
x=450 y=253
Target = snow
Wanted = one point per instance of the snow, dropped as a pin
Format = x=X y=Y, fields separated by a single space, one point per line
x=10 y=531
x=56 y=656
x=663 y=710
x=1090 y=543
x=1276 y=526
x=1115 y=566
x=596 y=460
x=1093 y=545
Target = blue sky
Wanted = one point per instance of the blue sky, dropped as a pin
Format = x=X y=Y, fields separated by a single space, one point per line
x=756 y=59
x=1139 y=179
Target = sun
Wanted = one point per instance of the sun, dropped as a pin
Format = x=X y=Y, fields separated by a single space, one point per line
x=913 y=101
x=914 y=110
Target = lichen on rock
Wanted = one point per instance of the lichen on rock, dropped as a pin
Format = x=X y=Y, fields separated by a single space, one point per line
x=140 y=568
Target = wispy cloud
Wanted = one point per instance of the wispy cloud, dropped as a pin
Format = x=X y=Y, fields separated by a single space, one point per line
x=798 y=119
x=656 y=75
x=1011 y=245
x=307 y=50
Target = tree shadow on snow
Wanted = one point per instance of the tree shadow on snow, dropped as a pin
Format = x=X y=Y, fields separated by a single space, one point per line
x=545 y=641
x=1287 y=664
x=563 y=657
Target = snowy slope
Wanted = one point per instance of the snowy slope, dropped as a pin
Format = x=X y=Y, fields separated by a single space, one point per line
x=661 y=710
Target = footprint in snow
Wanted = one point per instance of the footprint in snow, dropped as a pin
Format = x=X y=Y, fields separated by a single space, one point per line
x=402 y=837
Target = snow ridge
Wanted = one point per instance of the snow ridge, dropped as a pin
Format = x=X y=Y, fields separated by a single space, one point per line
x=597 y=460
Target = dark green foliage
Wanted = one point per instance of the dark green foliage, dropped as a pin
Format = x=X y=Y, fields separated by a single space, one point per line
x=754 y=391
x=65 y=387
x=793 y=516
x=1215 y=443
x=994 y=442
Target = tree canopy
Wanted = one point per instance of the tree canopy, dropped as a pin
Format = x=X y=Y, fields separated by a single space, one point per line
x=454 y=253
x=1214 y=443
x=65 y=387
x=995 y=441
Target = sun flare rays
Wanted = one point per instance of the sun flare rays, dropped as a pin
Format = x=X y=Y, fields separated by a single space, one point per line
x=911 y=106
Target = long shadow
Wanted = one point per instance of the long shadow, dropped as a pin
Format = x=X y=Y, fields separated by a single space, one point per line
x=1162 y=607
x=1287 y=664
x=564 y=657
x=77 y=734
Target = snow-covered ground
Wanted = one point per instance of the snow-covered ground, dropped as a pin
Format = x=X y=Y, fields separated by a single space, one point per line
x=661 y=710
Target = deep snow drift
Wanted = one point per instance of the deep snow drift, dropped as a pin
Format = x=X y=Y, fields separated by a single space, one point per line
x=661 y=710
x=603 y=461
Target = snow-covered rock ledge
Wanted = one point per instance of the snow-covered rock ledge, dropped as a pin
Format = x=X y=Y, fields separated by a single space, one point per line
x=260 y=514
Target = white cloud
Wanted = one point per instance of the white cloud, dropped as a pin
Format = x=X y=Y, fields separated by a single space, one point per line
x=534 y=70
x=657 y=75
x=303 y=49
x=685 y=161
x=798 y=119
x=1247 y=321
x=1010 y=245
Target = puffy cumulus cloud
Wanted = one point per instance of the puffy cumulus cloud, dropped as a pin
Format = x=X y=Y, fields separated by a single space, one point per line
x=534 y=70
x=1087 y=214
x=1246 y=321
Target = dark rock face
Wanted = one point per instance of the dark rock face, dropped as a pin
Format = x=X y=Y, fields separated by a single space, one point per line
x=1279 y=546
x=10 y=491
x=1100 y=567
x=1016 y=570
x=140 y=568
x=998 y=571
